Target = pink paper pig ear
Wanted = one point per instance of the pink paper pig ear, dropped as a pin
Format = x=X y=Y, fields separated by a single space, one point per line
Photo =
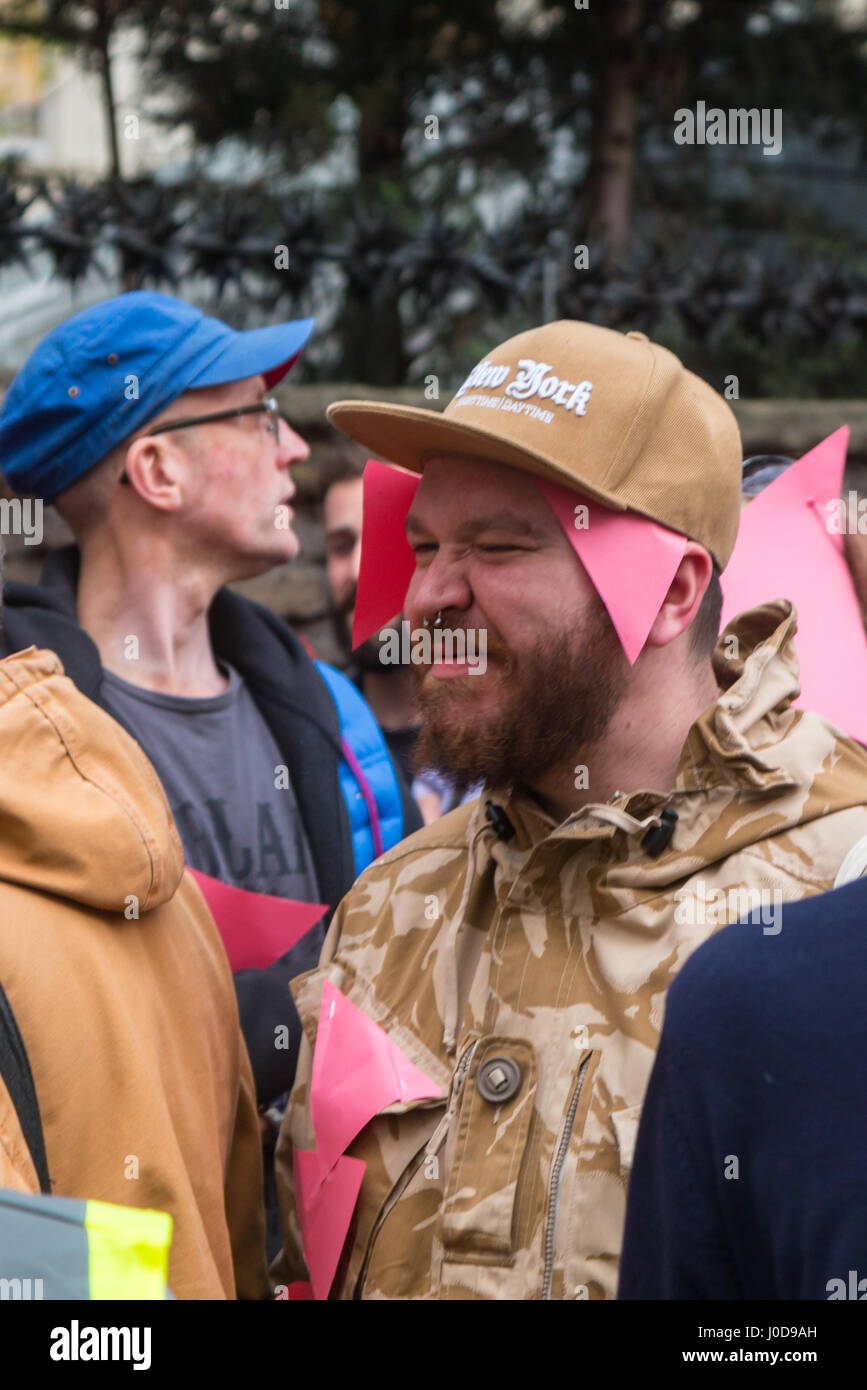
x=387 y=563
x=790 y=545
x=630 y=560
x=814 y=482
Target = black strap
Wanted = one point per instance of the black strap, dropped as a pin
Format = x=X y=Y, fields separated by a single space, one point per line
x=15 y=1070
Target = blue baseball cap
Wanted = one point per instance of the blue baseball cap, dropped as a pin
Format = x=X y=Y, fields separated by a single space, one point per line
x=104 y=373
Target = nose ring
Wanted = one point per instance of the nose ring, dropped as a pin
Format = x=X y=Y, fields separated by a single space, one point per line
x=437 y=622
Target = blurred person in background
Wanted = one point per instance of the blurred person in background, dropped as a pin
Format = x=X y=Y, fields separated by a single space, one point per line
x=388 y=687
x=749 y=1179
x=854 y=539
x=117 y=1009
x=763 y=469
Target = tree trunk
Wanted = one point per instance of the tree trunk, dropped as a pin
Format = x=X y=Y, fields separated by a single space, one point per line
x=374 y=347
x=102 y=45
x=608 y=199
x=372 y=343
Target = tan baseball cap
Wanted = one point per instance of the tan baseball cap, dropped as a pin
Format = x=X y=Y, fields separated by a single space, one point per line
x=613 y=415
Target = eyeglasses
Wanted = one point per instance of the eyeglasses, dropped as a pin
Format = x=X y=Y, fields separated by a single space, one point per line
x=760 y=470
x=268 y=407
x=758 y=461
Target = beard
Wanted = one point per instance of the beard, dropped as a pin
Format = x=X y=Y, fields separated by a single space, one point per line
x=553 y=703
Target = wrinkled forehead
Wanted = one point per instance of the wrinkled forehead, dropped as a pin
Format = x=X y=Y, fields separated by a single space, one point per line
x=456 y=488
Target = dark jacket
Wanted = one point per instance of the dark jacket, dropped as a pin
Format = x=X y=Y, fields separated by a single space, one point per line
x=297 y=707
x=749 y=1179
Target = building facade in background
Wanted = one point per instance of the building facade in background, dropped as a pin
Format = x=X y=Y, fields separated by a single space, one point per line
x=52 y=114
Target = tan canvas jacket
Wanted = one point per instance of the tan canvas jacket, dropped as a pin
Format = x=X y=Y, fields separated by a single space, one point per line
x=554 y=950
x=121 y=989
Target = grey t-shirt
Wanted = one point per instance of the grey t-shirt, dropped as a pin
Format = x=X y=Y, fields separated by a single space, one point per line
x=227 y=785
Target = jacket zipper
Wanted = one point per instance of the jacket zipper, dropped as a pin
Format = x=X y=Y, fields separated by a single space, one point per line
x=403 y=1181
x=432 y=1146
x=435 y=1142
x=554 y=1183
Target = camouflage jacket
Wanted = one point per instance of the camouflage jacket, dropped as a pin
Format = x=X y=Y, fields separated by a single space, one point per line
x=553 y=950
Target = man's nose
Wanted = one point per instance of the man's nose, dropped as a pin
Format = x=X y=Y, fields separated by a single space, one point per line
x=293 y=449
x=355 y=561
x=440 y=585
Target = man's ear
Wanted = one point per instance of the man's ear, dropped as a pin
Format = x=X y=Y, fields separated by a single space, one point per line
x=156 y=470
x=682 y=602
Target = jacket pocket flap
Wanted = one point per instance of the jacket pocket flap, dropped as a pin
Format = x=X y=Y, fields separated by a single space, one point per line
x=490 y=1149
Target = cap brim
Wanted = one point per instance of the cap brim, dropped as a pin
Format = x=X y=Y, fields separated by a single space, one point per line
x=268 y=352
x=408 y=436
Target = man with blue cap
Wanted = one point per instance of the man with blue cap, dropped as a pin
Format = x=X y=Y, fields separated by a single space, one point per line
x=152 y=429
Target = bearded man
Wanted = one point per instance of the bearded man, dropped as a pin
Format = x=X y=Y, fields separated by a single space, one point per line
x=480 y=1032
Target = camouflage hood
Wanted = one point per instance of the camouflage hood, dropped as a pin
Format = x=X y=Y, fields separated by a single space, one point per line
x=542 y=960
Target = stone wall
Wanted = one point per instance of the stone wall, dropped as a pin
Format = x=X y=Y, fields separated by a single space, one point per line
x=299 y=591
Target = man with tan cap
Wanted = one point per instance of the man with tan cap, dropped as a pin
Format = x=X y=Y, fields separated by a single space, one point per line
x=480 y=1031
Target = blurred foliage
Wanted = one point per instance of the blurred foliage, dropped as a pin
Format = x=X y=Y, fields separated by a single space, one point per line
x=783 y=322
x=553 y=129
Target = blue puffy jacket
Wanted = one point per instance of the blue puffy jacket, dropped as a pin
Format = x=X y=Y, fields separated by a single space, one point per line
x=367 y=776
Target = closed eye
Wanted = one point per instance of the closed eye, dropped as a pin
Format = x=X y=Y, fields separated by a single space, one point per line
x=423 y=547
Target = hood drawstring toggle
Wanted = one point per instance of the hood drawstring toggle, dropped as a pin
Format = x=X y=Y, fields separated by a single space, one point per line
x=659 y=836
x=502 y=826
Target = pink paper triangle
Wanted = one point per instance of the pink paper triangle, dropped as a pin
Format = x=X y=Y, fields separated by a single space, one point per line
x=325 y=1205
x=300 y=1291
x=357 y=1071
x=785 y=550
x=256 y=928
x=631 y=561
x=387 y=562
